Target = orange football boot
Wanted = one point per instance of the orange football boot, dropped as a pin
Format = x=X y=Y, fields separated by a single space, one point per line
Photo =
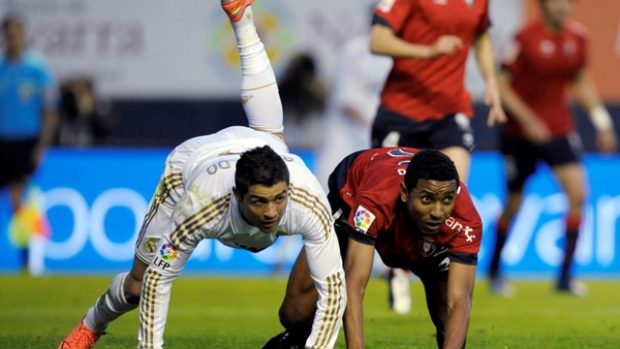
x=81 y=337
x=236 y=8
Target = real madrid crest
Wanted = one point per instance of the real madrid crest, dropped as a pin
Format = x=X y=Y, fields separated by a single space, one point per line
x=150 y=245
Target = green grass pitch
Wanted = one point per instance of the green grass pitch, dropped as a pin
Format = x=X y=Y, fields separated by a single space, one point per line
x=208 y=312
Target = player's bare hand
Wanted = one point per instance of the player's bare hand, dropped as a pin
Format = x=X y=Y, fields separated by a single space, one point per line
x=606 y=141
x=536 y=131
x=493 y=101
x=445 y=45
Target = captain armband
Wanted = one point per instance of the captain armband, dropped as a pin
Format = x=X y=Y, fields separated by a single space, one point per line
x=601 y=119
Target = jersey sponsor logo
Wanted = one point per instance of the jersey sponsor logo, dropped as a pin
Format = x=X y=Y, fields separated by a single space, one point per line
x=461 y=228
x=468 y=236
x=385 y=5
x=363 y=219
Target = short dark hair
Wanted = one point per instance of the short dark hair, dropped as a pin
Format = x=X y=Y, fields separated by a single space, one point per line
x=430 y=164
x=12 y=18
x=260 y=165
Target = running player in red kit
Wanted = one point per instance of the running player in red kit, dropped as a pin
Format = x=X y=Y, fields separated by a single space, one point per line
x=547 y=59
x=410 y=206
x=424 y=102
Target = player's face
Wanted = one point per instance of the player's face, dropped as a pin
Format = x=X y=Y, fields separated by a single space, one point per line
x=263 y=206
x=14 y=34
x=430 y=203
x=556 y=11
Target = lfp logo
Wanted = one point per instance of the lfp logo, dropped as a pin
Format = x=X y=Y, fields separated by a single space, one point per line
x=168 y=252
x=363 y=219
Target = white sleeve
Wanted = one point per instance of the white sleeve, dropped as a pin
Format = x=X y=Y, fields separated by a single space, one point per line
x=325 y=263
x=172 y=253
x=156 y=289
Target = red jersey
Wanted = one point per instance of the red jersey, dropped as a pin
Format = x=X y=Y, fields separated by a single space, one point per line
x=372 y=192
x=429 y=89
x=543 y=65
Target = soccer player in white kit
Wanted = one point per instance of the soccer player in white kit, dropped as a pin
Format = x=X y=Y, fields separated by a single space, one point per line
x=239 y=186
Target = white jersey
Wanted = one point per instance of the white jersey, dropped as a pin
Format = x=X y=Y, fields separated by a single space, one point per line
x=195 y=201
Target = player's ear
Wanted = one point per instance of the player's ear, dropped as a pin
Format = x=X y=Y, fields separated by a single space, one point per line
x=404 y=192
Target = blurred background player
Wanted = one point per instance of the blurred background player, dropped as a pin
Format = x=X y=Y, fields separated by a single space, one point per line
x=28 y=119
x=409 y=206
x=547 y=59
x=86 y=119
x=303 y=95
x=352 y=104
x=424 y=102
x=239 y=186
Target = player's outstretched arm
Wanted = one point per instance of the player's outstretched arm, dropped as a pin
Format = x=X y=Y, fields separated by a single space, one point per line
x=156 y=289
x=533 y=127
x=486 y=63
x=461 y=281
x=358 y=266
x=588 y=98
x=325 y=264
x=383 y=41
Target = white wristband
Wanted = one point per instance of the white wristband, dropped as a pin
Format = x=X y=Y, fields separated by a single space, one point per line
x=601 y=119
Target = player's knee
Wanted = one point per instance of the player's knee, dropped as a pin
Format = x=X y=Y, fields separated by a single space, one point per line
x=132 y=289
x=292 y=316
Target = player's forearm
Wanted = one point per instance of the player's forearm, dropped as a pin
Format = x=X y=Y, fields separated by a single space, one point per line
x=512 y=102
x=485 y=57
x=354 y=320
x=330 y=308
x=384 y=42
x=457 y=323
x=585 y=92
x=587 y=96
x=154 y=301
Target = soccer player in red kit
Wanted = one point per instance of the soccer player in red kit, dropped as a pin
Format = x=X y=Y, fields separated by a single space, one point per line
x=424 y=103
x=410 y=206
x=547 y=58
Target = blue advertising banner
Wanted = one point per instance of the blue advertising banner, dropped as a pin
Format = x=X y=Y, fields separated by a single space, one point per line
x=94 y=202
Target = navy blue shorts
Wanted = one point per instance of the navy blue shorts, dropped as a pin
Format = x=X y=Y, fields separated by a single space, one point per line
x=16 y=160
x=393 y=129
x=522 y=156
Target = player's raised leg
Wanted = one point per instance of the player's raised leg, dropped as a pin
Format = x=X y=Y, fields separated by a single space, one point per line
x=259 y=90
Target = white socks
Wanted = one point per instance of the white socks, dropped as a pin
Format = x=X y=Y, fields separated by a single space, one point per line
x=259 y=91
x=109 y=306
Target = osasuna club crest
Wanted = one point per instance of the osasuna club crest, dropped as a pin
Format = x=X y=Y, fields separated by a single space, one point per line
x=428 y=248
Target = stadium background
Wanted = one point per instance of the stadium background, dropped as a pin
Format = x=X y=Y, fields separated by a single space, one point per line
x=171 y=71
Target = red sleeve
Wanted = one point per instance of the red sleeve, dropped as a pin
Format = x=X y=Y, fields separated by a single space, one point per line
x=485 y=20
x=367 y=217
x=469 y=234
x=393 y=13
